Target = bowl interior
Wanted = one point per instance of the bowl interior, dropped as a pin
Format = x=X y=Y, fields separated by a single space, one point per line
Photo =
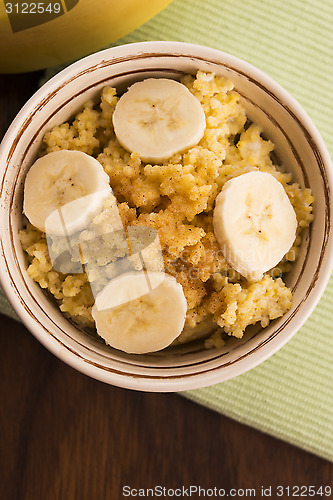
x=295 y=152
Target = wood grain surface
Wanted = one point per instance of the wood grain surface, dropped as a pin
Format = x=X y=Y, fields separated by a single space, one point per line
x=65 y=436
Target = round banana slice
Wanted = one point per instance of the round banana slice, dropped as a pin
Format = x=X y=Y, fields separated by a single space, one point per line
x=157 y=118
x=140 y=312
x=254 y=223
x=63 y=191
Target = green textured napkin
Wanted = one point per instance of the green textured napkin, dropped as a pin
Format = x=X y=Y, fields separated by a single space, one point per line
x=291 y=395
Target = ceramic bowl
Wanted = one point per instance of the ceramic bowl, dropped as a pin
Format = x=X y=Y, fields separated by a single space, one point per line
x=298 y=146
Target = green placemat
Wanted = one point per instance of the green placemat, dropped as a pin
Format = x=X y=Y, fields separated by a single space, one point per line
x=291 y=395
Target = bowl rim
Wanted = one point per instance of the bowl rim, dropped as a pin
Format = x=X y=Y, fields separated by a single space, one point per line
x=193 y=381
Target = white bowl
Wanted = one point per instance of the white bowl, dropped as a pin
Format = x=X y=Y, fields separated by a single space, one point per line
x=298 y=145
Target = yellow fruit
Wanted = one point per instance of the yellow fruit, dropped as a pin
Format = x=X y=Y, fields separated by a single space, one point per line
x=36 y=35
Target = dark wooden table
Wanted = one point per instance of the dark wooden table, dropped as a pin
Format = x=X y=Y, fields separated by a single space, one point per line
x=65 y=436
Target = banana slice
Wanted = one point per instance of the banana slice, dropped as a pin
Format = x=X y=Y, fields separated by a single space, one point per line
x=157 y=118
x=254 y=223
x=140 y=312
x=63 y=191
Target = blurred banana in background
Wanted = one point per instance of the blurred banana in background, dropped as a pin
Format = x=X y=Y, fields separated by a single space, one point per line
x=36 y=35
